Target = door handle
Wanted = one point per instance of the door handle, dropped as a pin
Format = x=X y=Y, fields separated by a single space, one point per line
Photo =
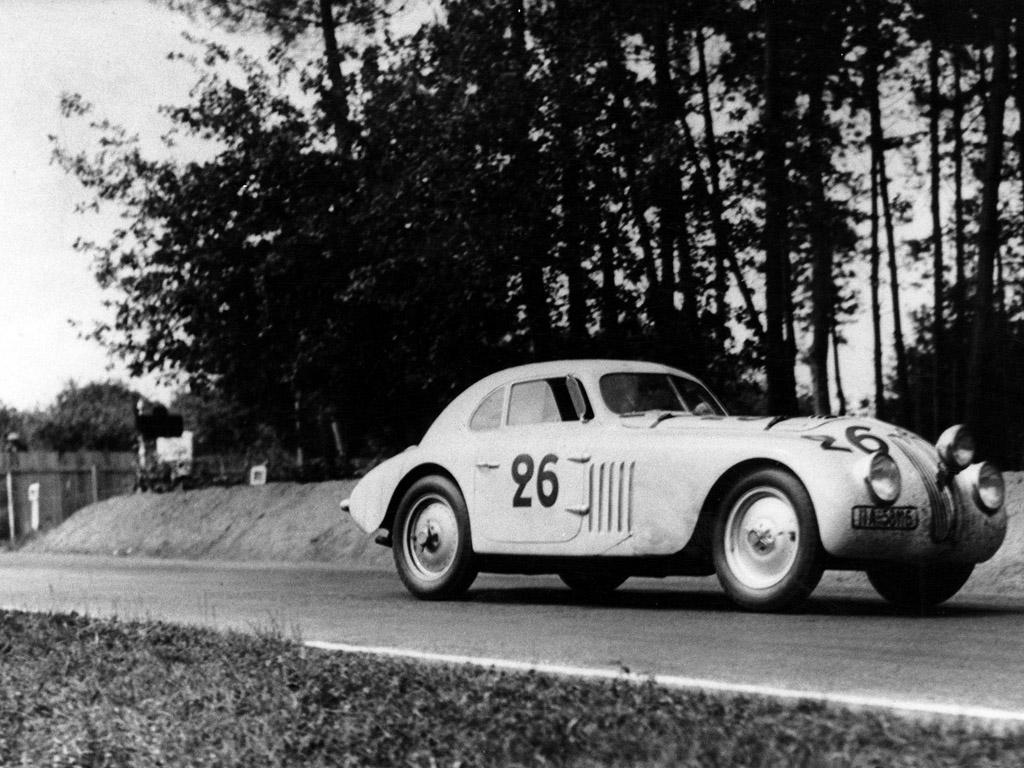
x=579 y=509
x=582 y=458
x=488 y=464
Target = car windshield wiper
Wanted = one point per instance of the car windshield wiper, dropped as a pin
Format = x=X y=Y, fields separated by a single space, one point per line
x=659 y=414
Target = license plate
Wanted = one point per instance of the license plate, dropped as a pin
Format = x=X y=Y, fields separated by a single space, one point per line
x=885 y=518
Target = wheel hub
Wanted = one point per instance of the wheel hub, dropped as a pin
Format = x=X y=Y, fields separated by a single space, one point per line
x=761 y=535
x=428 y=538
x=433 y=538
x=761 y=540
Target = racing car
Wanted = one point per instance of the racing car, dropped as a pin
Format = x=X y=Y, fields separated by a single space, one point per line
x=599 y=470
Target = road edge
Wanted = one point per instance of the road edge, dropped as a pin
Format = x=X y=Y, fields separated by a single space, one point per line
x=996 y=718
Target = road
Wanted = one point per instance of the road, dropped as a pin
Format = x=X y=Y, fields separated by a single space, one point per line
x=843 y=642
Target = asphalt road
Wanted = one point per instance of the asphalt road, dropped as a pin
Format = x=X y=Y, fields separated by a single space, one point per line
x=843 y=642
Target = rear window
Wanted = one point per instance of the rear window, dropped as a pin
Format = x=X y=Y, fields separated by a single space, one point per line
x=542 y=401
x=488 y=414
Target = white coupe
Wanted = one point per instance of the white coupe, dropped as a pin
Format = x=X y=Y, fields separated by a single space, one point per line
x=599 y=470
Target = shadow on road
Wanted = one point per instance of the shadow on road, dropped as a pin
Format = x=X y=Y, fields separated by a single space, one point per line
x=709 y=600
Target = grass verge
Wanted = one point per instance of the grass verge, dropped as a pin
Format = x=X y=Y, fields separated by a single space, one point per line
x=77 y=691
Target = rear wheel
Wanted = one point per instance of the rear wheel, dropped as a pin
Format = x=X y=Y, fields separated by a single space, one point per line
x=432 y=547
x=592 y=584
x=766 y=547
x=918 y=587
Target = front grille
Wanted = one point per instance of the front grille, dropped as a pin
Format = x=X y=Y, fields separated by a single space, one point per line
x=940 y=498
x=611 y=497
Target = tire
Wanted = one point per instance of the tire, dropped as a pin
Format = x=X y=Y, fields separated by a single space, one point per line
x=919 y=587
x=760 y=569
x=432 y=546
x=593 y=584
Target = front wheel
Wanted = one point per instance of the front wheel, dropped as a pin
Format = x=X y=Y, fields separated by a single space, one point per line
x=432 y=547
x=766 y=547
x=919 y=587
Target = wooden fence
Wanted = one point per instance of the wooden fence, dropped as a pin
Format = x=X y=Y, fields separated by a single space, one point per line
x=66 y=483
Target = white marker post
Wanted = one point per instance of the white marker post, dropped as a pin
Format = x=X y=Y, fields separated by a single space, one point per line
x=33 y=500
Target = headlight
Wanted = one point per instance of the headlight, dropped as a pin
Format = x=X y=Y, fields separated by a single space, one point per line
x=956 y=448
x=883 y=478
x=987 y=482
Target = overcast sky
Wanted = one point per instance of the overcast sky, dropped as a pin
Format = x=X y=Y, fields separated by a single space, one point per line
x=114 y=53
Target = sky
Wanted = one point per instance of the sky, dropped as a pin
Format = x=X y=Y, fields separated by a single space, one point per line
x=114 y=53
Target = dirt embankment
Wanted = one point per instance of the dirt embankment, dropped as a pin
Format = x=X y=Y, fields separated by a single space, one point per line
x=280 y=521
x=303 y=523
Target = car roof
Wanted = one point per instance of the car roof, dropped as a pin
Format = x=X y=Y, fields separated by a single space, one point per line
x=459 y=410
x=586 y=367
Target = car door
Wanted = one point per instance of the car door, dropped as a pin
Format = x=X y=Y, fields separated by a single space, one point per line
x=531 y=474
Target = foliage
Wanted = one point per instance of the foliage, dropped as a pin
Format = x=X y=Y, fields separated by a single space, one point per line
x=79 y=691
x=379 y=225
x=13 y=421
x=99 y=416
x=218 y=425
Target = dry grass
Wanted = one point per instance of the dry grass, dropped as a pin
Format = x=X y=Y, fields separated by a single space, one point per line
x=84 y=692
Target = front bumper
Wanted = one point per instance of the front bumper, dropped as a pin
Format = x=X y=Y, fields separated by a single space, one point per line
x=936 y=517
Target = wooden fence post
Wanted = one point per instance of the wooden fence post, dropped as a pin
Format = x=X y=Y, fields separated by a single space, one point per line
x=10 y=502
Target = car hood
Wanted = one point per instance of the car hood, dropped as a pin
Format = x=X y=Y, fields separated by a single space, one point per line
x=770 y=425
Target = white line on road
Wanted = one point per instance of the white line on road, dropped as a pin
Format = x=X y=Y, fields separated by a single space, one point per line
x=1004 y=716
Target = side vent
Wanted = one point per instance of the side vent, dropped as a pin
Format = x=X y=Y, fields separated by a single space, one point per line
x=611 y=497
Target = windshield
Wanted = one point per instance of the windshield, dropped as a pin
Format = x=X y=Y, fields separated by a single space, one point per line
x=630 y=393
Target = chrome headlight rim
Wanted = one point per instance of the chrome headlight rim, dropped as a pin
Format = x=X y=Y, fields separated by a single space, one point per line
x=956 y=448
x=988 y=488
x=882 y=478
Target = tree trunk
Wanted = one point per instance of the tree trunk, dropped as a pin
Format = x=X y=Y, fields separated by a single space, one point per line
x=336 y=107
x=609 y=295
x=822 y=249
x=300 y=457
x=525 y=252
x=878 y=150
x=667 y=185
x=627 y=151
x=339 y=443
x=715 y=202
x=959 y=293
x=722 y=239
x=1019 y=93
x=938 y=317
x=779 y=362
x=840 y=394
x=573 y=240
x=336 y=98
x=876 y=305
x=692 y=336
x=988 y=216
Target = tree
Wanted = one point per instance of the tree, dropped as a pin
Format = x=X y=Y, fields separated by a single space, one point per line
x=99 y=416
x=228 y=268
x=935 y=173
x=988 y=217
x=389 y=216
x=780 y=349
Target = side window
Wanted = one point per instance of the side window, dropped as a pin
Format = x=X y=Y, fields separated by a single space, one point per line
x=488 y=414
x=539 y=402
